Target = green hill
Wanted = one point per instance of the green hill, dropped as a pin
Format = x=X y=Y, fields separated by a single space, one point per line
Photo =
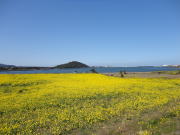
x=73 y=64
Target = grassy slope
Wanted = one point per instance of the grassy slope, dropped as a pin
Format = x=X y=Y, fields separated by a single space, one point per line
x=87 y=103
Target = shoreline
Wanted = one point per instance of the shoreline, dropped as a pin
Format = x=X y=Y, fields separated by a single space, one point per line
x=144 y=75
x=127 y=75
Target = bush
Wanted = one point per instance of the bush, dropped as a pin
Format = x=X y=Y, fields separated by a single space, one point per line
x=93 y=71
x=122 y=75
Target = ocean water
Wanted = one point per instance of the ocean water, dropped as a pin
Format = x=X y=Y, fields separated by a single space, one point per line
x=98 y=69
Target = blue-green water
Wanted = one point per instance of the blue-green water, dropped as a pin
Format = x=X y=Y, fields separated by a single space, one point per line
x=98 y=69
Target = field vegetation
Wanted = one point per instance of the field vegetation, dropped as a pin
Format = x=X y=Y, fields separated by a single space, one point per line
x=88 y=104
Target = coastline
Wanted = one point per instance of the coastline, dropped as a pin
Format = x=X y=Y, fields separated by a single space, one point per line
x=144 y=75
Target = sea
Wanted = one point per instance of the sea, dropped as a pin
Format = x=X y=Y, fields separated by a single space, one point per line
x=98 y=69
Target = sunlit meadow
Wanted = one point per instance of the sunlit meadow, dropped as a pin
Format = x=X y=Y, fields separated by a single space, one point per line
x=74 y=103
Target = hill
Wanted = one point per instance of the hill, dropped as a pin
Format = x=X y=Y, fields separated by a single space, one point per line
x=73 y=64
x=4 y=65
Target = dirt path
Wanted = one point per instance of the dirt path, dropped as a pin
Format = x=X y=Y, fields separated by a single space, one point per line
x=143 y=75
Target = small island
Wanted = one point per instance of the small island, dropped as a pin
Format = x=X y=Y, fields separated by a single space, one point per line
x=73 y=64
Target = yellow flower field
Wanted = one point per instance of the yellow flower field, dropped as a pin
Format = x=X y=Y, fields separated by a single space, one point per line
x=83 y=103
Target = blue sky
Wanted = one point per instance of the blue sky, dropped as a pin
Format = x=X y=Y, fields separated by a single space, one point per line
x=96 y=32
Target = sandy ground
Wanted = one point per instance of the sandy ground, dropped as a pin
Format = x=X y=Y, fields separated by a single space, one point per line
x=143 y=75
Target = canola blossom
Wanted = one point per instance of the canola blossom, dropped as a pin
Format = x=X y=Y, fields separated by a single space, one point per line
x=62 y=103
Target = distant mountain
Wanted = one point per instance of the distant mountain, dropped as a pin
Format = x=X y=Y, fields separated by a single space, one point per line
x=176 y=66
x=73 y=64
x=145 y=66
x=4 y=65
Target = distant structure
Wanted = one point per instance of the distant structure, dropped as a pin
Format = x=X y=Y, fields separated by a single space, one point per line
x=176 y=66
